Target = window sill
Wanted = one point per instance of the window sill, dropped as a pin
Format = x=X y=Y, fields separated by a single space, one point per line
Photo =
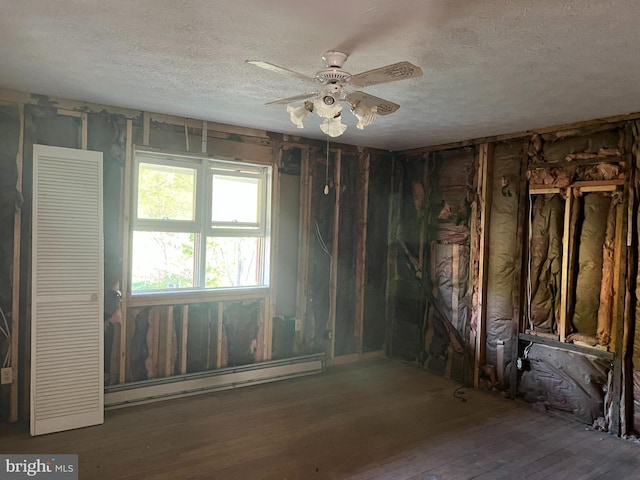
x=566 y=346
x=144 y=299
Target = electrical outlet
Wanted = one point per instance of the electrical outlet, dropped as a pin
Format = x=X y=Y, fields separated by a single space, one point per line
x=6 y=376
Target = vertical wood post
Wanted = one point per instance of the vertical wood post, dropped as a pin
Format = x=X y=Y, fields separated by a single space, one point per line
x=84 y=135
x=522 y=251
x=631 y=282
x=146 y=127
x=184 y=339
x=333 y=280
x=393 y=220
x=126 y=242
x=303 y=252
x=219 y=358
x=621 y=359
x=15 y=278
x=361 y=249
x=484 y=198
x=564 y=281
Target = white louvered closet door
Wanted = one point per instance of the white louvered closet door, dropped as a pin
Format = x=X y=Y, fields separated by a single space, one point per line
x=67 y=290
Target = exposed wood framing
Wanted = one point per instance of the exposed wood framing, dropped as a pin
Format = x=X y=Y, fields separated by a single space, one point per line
x=203 y=148
x=559 y=131
x=268 y=311
x=84 y=132
x=631 y=283
x=303 y=252
x=211 y=126
x=16 y=96
x=356 y=357
x=564 y=281
x=392 y=255
x=15 y=277
x=522 y=250
x=220 y=362
x=211 y=347
x=474 y=243
x=169 y=343
x=455 y=281
x=126 y=242
x=619 y=277
x=186 y=135
x=333 y=280
x=361 y=249
x=571 y=272
x=484 y=198
x=184 y=344
x=182 y=298
x=146 y=128
x=151 y=362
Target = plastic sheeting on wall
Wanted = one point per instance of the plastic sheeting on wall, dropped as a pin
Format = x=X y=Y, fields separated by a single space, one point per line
x=566 y=382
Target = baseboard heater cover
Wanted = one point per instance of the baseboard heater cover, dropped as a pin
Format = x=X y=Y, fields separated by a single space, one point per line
x=147 y=391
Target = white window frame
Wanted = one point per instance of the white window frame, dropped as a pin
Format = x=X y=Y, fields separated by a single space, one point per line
x=203 y=225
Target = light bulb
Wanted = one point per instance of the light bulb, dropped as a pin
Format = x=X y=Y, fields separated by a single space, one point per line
x=366 y=115
x=327 y=106
x=333 y=126
x=298 y=113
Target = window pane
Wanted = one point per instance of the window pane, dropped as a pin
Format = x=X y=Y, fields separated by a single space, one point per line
x=165 y=192
x=231 y=262
x=235 y=199
x=162 y=260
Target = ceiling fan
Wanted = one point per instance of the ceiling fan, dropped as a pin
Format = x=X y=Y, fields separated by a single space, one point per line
x=333 y=85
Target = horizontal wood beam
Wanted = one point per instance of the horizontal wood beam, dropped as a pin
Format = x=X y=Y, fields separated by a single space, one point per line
x=568 y=128
x=182 y=298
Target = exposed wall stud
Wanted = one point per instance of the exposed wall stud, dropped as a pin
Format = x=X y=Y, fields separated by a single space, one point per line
x=126 y=242
x=15 y=277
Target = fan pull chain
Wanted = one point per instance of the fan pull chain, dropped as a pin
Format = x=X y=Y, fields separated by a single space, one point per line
x=326 y=171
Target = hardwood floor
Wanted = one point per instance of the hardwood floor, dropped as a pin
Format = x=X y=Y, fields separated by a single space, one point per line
x=378 y=419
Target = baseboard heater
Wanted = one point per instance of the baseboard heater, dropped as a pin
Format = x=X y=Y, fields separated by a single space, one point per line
x=147 y=391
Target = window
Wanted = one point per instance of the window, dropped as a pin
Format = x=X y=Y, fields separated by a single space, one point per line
x=199 y=224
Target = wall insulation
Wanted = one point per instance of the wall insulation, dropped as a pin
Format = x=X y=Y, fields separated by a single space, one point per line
x=503 y=255
x=449 y=197
x=572 y=172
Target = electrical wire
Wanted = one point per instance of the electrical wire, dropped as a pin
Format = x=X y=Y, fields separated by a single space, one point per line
x=326 y=171
x=323 y=245
x=529 y=260
x=7 y=333
x=458 y=392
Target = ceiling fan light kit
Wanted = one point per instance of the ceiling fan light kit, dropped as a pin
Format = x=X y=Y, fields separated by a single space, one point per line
x=336 y=86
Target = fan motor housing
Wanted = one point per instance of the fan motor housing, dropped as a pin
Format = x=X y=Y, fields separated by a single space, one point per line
x=332 y=75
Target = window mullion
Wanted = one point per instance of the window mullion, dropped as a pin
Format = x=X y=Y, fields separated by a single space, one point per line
x=204 y=213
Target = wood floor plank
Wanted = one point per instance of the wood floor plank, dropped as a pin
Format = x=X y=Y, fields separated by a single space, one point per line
x=376 y=419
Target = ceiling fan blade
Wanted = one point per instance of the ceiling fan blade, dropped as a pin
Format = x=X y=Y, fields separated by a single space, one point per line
x=385 y=107
x=390 y=73
x=285 y=101
x=281 y=70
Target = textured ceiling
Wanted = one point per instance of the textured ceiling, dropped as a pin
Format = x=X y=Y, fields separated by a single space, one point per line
x=490 y=66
